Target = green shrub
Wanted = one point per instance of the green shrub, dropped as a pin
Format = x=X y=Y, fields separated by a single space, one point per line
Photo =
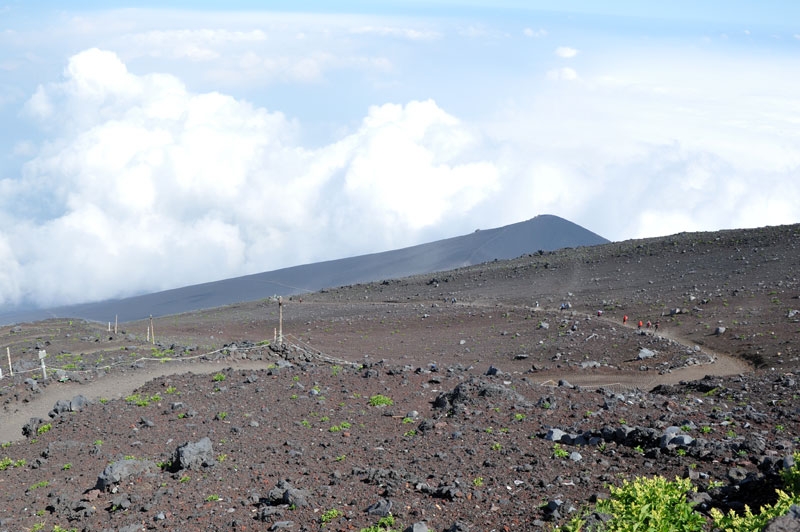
x=384 y=524
x=380 y=400
x=652 y=504
x=750 y=522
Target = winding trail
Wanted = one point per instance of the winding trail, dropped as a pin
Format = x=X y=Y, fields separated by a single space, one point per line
x=723 y=365
x=119 y=385
x=112 y=386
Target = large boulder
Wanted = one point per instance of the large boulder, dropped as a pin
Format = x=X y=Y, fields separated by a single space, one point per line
x=117 y=472
x=193 y=455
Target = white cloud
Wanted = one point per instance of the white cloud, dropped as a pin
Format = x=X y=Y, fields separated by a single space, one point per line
x=566 y=52
x=192 y=44
x=406 y=33
x=145 y=176
x=797 y=36
x=562 y=74
x=534 y=34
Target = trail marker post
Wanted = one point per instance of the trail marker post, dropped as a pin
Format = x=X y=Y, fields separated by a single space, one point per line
x=1 y=373
x=280 y=320
x=116 y=316
x=42 y=356
x=152 y=331
x=148 y=333
x=10 y=369
x=109 y=326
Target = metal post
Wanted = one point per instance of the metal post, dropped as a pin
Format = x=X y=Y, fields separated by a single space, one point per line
x=280 y=321
x=42 y=355
x=10 y=369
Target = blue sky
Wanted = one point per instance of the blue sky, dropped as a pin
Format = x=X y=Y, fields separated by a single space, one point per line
x=204 y=140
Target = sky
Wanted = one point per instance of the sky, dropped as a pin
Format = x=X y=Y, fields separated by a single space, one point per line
x=164 y=144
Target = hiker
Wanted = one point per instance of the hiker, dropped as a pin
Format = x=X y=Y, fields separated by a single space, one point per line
x=624 y=320
x=656 y=324
x=648 y=324
x=563 y=306
x=640 y=324
x=599 y=313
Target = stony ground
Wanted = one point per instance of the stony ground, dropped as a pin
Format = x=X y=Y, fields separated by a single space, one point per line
x=506 y=412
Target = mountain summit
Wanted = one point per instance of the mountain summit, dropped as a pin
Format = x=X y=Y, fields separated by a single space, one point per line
x=544 y=232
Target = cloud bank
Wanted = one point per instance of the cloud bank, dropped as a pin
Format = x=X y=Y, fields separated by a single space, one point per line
x=142 y=184
x=145 y=186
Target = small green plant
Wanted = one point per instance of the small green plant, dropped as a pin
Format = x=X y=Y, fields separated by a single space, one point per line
x=384 y=524
x=407 y=420
x=184 y=479
x=293 y=396
x=410 y=433
x=335 y=370
x=519 y=417
x=37 y=526
x=559 y=452
x=496 y=446
x=222 y=457
x=779 y=428
x=305 y=423
x=681 y=452
x=639 y=449
x=222 y=415
x=477 y=482
x=212 y=498
x=329 y=515
x=42 y=484
x=181 y=415
x=380 y=400
x=66 y=467
x=622 y=421
x=6 y=445
x=170 y=390
x=98 y=443
x=44 y=428
x=341 y=458
x=705 y=429
x=546 y=405
x=218 y=377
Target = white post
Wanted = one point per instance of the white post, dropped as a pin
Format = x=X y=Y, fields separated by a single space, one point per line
x=152 y=331
x=42 y=355
x=280 y=320
x=1 y=373
x=148 y=333
x=109 y=326
x=116 y=316
x=10 y=369
x=275 y=335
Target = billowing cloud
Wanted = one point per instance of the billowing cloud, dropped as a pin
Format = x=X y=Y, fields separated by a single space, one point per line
x=566 y=52
x=562 y=74
x=151 y=186
x=391 y=31
x=534 y=34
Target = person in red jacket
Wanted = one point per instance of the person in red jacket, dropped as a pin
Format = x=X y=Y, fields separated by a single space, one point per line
x=640 y=324
x=624 y=320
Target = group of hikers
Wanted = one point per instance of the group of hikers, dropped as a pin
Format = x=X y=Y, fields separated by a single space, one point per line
x=648 y=325
x=641 y=324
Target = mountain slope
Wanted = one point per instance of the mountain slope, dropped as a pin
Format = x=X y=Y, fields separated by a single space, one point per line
x=545 y=232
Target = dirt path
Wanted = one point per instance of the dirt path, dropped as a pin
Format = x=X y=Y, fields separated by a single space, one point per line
x=723 y=365
x=111 y=386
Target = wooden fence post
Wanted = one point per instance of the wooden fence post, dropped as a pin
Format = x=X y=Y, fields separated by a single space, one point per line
x=116 y=316
x=280 y=320
x=10 y=369
x=42 y=355
x=152 y=331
